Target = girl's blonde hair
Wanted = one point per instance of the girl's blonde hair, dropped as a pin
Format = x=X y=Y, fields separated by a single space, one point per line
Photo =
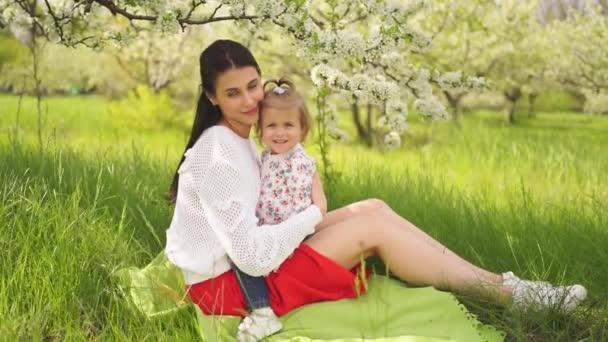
x=284 y=96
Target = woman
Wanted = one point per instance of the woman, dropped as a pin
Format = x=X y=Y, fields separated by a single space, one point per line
x=216 y=188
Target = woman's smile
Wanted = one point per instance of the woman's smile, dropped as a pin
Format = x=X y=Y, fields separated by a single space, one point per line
x=251 y=112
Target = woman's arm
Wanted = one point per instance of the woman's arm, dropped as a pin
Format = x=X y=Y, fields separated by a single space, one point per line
x=256 y=250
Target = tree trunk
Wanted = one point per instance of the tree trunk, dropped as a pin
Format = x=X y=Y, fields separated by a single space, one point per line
x=368 y=125
x=532 y=97
x=36 y=52
x=511 y=112
x=362 y=133
x=579 y=98
x=454 y=102
x=512 y=97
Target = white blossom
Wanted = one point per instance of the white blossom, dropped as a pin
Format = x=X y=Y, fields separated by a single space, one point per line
x=392 y=140
x=475 y=83
x=420 y=83
x=419 y=41
x=396 y=123
x=331 y=118
x=269 y=8
x=349 y=43
x=432 y=108
x=338 y=134
x=167 y=23
x=450 y=80
x=323 y=74
x=596 y=102
x=341 y=8
x=397 y=106
x=237 y=7
x=413 y=6
x=382 y=121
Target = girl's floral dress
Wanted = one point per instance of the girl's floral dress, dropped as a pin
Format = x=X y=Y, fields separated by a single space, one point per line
x=286 y=184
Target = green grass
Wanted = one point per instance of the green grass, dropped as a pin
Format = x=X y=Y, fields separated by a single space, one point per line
x=532 y=198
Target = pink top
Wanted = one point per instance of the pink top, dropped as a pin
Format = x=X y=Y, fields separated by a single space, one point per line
x=286 y=185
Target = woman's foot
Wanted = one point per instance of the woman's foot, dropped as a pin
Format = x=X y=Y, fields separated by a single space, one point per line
x=261 y=323
x=529 y=294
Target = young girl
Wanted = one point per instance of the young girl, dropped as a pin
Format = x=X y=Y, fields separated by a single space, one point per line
x=287 y=174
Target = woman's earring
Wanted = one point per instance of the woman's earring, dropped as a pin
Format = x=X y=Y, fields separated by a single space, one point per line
x=211 y=100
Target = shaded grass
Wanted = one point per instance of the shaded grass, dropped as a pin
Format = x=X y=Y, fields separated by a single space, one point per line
x=69 y=223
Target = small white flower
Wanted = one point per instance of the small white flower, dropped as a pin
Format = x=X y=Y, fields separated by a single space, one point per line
x=337 y=134
x=349 y=43
x=167 y=23
x=237 y=7
x=323 y=74
x=396 y=123
x=269 y=8
x=450 y=80
x=382 y=121
x=421 y=84
x=475 y=83
x=430 y=107
x=392 y=140
x=395 y=106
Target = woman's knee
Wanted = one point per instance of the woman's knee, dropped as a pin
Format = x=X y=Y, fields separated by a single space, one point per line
x=372 y=208
x=376 y=206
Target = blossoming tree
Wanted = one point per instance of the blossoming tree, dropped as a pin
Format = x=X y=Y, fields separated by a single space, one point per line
x=360 y=49
x=519 y=60
x=583 y=63
x=461 y=37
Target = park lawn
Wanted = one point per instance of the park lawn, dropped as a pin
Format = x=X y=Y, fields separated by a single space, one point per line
x=532 y=198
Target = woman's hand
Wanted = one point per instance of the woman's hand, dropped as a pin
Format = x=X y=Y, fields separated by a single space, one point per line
x=318 y=195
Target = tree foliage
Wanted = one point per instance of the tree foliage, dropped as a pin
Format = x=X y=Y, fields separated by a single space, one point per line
x=358 y=49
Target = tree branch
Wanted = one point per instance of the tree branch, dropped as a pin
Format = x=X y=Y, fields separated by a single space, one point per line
x=58 y=26
x=111 y=6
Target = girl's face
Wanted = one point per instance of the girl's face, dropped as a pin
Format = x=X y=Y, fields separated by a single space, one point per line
x=238 y=93
x=281 y=129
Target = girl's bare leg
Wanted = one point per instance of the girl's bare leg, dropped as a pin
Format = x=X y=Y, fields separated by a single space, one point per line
x=370 y=227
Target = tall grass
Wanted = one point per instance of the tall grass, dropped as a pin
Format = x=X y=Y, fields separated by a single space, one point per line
x=531 y=198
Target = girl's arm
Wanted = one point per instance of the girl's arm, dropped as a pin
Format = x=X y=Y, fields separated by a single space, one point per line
x=318 y=195
x=305 y=182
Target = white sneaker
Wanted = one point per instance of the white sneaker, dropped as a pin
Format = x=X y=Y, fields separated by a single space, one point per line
x=540 y=294
x=261 y=323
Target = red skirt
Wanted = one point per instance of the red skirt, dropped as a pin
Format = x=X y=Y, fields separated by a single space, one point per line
x=306 y=277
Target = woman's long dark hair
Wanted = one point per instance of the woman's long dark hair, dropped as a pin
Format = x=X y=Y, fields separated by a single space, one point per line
x=218 y=57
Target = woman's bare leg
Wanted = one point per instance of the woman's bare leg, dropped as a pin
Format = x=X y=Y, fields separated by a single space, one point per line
x=351 y=210
x=374 y=207
x=410 y=254
x=398 y=220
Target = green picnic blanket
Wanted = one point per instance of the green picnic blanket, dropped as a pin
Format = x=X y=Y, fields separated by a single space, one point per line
x=389 y=312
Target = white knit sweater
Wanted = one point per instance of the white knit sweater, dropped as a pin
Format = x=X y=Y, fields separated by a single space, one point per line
x=214 y=217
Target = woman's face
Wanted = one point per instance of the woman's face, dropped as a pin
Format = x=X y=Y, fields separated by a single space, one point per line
x=238 y=93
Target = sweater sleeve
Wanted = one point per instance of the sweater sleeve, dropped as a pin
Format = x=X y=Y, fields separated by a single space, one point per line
x=256 y=250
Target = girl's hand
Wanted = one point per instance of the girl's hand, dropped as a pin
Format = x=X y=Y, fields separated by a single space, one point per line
x=318 y=196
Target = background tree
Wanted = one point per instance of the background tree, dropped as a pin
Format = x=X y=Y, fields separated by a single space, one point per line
x=521 y=59
x=156 y=59
x=460 y=41
x=584 y=64
x=371 y=34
